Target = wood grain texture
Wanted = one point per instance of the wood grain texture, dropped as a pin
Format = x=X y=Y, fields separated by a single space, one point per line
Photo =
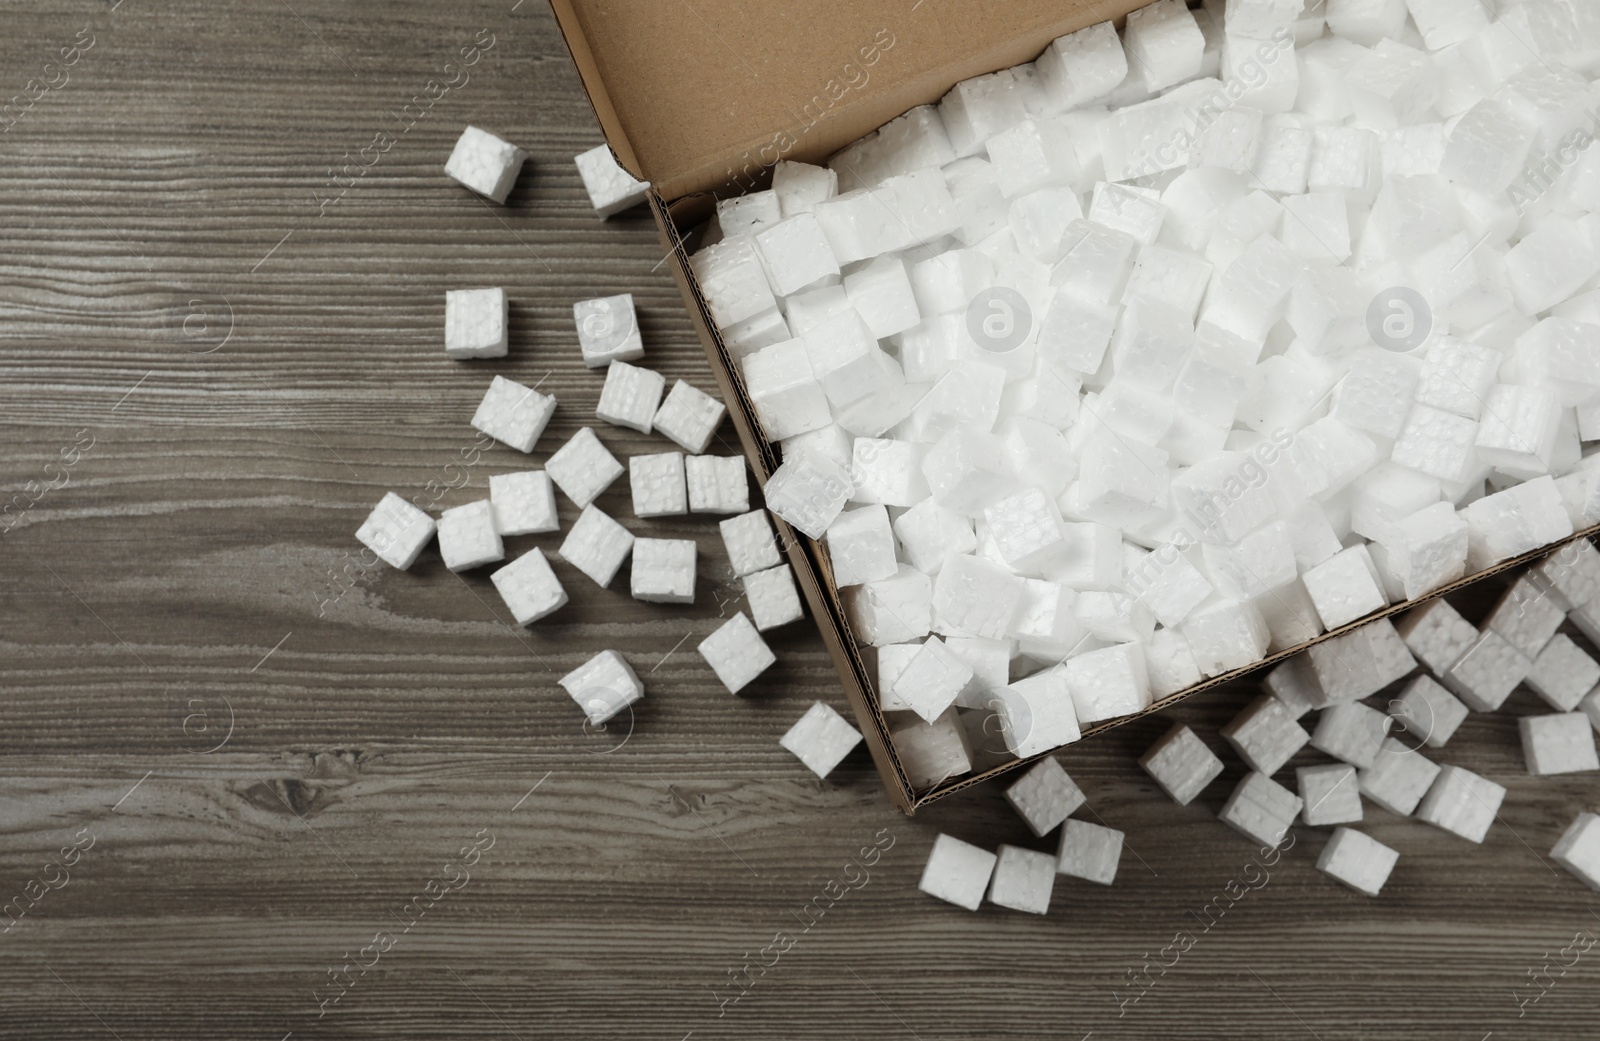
x=274 y=757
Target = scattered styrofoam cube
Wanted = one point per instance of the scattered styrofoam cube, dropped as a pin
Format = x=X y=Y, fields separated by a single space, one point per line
x=603 y=686
x=957 y=872
x=736 y=653
x=1461 y=803
x=931 y=755
x=1437 y=634
x=1558 y=744
x=596 y=545
x=467 y=537
x=583 y=467
x=1181 y=764
x=396 y=531
x=657 y=484
x=1361 y=662
x=1023 y=879
x=608 y=330
x=1329 y=793
x=1044 y=796
x=1398 y=778
x=523 y=503
x=1527 y=616
x=1578 y=849
x=1428 y=712
x=749 y=542
x=821 y=739
x=1261 y=809
x=485 y=163
x=1488 y=672
x=513 y=414
x=1294 y=684
x=1561 y=674
x=1265 y=735
x=475 y=323
x=663 y=570
x=611 y=188
x=1089 y=851
x=1358 y=860
x=772 y=597
x=529 y=587
x=630 y=396
x=1351 y=732
x=717 y=484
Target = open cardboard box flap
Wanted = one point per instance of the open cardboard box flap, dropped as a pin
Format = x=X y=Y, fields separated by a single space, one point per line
x=698 y=94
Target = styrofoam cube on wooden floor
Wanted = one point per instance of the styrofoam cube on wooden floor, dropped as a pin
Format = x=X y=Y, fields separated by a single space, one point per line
x=1343 y=588
x=821 y=739
x=475 y=323
x=583 y=467
x=1044 y=796
x=1487 y=673
x=611 y=188
x=1562 y=673
x=1023 y=880
x=1558 y=744
x=1361 y=662
x=957 y=872
x=1330 y=794
x=597 y=546
x=772 y=597
x=1358 y=860
x=1527 y=616
x=1088 y=851
x=1294 y=684
x=529 y=587
x=603 y=686
x=608 y=330
x=736 y=653
x=689 y=417
x=485 y=163
x=467 y=537
x=717 y=484
x=1428 y=712
x=1578 y=849
x=630 y=396
x=1181 y=764
x=513 y=414
x=1437 y=634
x=523 y=503
x=750 y=543
x=663 y=571
x=396 y=531
x=932 y=753
x=1351 y=732
x=1261 y=809
x=1265 y=735
x=1573 y=571
x=1398 y=778
x=657 y=483
x=1462 y=803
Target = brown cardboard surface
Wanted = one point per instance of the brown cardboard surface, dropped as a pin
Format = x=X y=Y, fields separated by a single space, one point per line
x=696 y=95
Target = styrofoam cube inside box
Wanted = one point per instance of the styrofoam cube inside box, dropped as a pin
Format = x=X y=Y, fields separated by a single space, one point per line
x=523 y=503
x=861 y=546
x=1089 y=851
x=930 y=681
x=892 y=661
x=784 y=390
x=1044 y=796
x=750 y=543
x=1082 y=66
x=1462 y=803
x=933 y=753
x=485 y=163
x=745 y=214
x=608 y=330
x=657 y=483
x=736 y=653
x=796 y=253
x=957 y=872
x=1023 y=879
x=583 y=467
x=1261 y=809
x=1181 y=764
x=1170 y=663
x=1398 y=778
x=1036 y=713
x=1265 y=735
x=772 y=597
x=475 y=323
x=630 y=396
x=888 y=471
x=611 y=188
x=596 y=545
x=1164 y=44
x=1578 y=849
x=717 y=484
x=1437 y=634
x=603 y=686
x=396 y=531
x=688 y=417
x=1487 y=673
x=973 y=597
x=732 y=281
x=1228 y=634
x=1558 y=744
x=1358 y=860
x=1108 y=683
x=1343 y=588
x=1518 y=520
x=529 y=587
x=800 y=186
x=821 y=739
x=1428 y=712
x=513 y=414
x=881 y=293
x=891 y=611
x=663 y=570
x=1329 y=793
x=1351 y=732
x=467 y=536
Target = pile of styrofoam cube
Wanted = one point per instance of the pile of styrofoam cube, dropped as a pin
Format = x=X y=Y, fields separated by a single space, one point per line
x=1127 y=367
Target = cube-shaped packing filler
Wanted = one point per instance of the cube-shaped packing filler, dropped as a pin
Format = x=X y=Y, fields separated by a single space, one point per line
x=1265 y=735
x=750 y=543
x=772 y=597
x=1358 y=860
x=597 y=546
x=932 y=753
x=1428 y=712
x=468 y=538
x=1181 y=764
x=603 y=686
x=1579 y=849
x=1044 y=796
x=663 y=570
x=611 y=188
x=1462 y=803
x=485 y=163
x=475 y=323
x=396 y=531
x=736 y=653
x=1558 y=744
x=513 y=414
x=1261 y=809
x=529 y=587
x=689 y=417
x=523 y=503
x=1022 y=879
x=1351 y=732
x=1398 y=778
x=957 y=872
x=657 y=483
x=630 y=396
x=1089 y=851
x=1330 y=794
x=583 y=467
x=717 y=484
x=608 y=330
x=821 y=739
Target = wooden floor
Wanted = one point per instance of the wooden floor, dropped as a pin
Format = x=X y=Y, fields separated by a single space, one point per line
x=277 y=758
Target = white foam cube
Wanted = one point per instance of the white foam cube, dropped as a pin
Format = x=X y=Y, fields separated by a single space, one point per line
x=596 y=545
x=1518 y=429
x=1294 y=684
x=911 y=141
x=1343 y=588
x=1361 y=662
x=750 y=543
x=772 y=597
x=1036 y=713
x=1082 y=66
x=608 y=330
x=1578 y=849
x=957 y=872
x=821 y=739
x=888 y=471
x=1164 y=44
x=1108 y=683
x=1439 y=443
x=1283 y=157
x=603 y=686
x=732 y=281
x=1265 y=735
x=1227 y=635
x=976 y=109
x=1457 y=376
x=1527 y=615
x=663 y=571
x=467 y=537
x=1358 y=860
x=688 y=417
x=1573 y=572
x=1089 y=851
x=891 y=611
x=1561 y=674
x=1023 y=879
x=630 y=396
x=1558 y=744
x=1075 y=333
x=1377 y=393
x=1428 y=712
x=611 y=188
x=1181 y=764
x=784 y=391
x=1044 y=796
x=1518 y=520
x=861 y=546
x=1398 y=778
x=932 y=754
x=746 y=214
x=796 y=253
x=717 y=484
x=484 y=163
x=736 y=653
x=583 y=467
x=1261 y=809
x=1486 y=148
x=513 y=414
x=475 y=323
x=881 y=293
x=1461 y=803
x=1549 y=265
x=930 y=681
x=1487 y=673
x=529 y=588
x=800 y=186
x=523 y=503
x=930 y=534
x=1351 y=732
x=758 y=331
x=1094 y=262
x=396 y=531
x=1330 y=794
x=657 y=484
x=1427 y=550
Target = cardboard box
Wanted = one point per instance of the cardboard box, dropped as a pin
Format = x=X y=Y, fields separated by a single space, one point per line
x=702 y=101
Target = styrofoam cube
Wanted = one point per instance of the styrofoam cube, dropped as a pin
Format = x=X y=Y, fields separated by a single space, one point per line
x=1517 y=520
x=1094 y=264
x=1426 y=550
x=1462 y=803
x=1226 y=635
x=1488 y=672
x=485 y=163
x=973 y=597
x=1044 y=796
x=1329 y=793
x=611 y=188
x=1261 y=809
x=821 y=739
x=1437 y=634
x=891 y=611
x=1558 y=744
x=717 y=484
x=467 y=537
x=1518 y=429
x=762 y=330
x=688 y=417
x=1023 y=879
x=663 y=571
x=888 y=471
x=796 y=253
x=1108 y=683
x=1116 y=617
x=1358 y=860
x=880 y=292
x=1181 y=764
x=1398 y=778
x=608 y=330
x=1036 y=714
x=732 y=281
x=1351 y=732
x=523 y=503
x=1561 y=674
x=930 y=534
x=772 y=597
x=630 y=396
x=1527 y=615
x=1343 y=588
x=1265 y=735
x=1074 y=333
x=750 y=543
x=1550 y=264
x=976 y=109
x=513 y=414
x=784 y=391
x=475 y=323
x=957 y=872
x=603 y=686
x=1361 y=662
x=1486 y=148
x=1283 y=157
x=529 y=588
x=1294 y=684
x=1164 y=44
x=861 y=546
x=1578 y=849
x=1457 y=376
x=747 y=214
x=736 y=653
x=799 y=187
x=596 y=545
x=1089 y=851
x=583 y=467
x=657 y=483
x=932 y=754
x=1429 y=712
x=396 y=531
x=930 y=681
x=909 y=142
x=1439 y=443
x=1082 y=66
x=1573 y=572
